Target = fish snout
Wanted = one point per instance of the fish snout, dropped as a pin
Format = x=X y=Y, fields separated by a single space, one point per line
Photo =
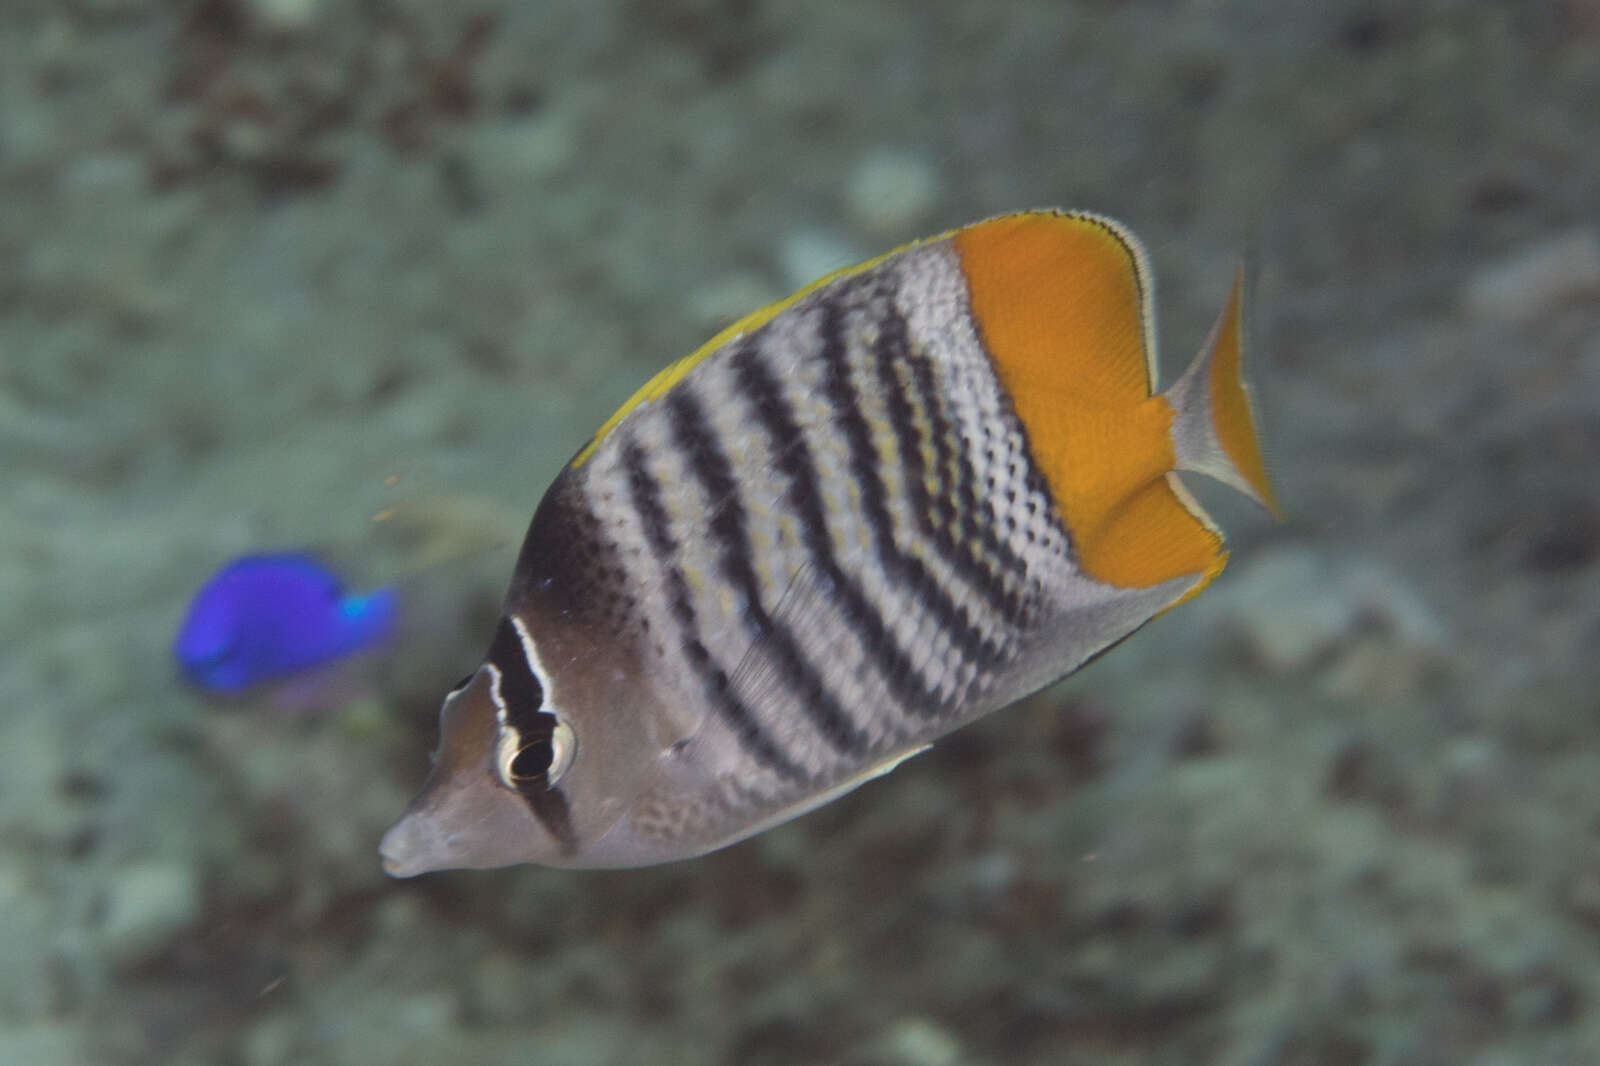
x=412 y=847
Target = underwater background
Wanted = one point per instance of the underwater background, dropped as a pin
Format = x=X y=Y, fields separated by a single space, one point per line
x=359 y=277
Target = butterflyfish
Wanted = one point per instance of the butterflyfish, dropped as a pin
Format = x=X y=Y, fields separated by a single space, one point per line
x=268 y=618
x=912 y=493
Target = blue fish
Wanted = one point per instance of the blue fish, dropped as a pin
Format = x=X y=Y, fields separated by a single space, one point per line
x=267 y=618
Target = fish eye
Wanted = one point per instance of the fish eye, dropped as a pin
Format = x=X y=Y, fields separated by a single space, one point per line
x=542 y=760
x=532 y=760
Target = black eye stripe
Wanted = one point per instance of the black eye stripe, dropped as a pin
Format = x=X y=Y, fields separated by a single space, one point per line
x=550 y=807
x=519 y=688
x=523 y=698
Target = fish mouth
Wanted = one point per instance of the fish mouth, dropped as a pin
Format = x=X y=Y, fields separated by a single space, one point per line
x=399 y=852
x=403 y=852
x=474 y=824
x=421 y=842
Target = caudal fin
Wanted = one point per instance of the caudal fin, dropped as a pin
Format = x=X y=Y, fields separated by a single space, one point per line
x=1214 y=426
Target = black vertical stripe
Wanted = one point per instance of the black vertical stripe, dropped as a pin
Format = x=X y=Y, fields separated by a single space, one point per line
x=730 y=527
x=955 y=494
x=843 y=397
x=977 y=520
x=891 y=351
x=904 y=569
x=794 y=460
x=645 y=495
x=975 y=541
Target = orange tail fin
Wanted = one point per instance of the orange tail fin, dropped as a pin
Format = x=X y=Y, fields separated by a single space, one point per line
x=1214 y=425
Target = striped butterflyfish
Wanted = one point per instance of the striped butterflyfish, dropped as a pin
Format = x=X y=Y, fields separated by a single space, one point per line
x=910 y=494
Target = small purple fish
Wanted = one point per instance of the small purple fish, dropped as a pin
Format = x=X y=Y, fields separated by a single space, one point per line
x=268 y=618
